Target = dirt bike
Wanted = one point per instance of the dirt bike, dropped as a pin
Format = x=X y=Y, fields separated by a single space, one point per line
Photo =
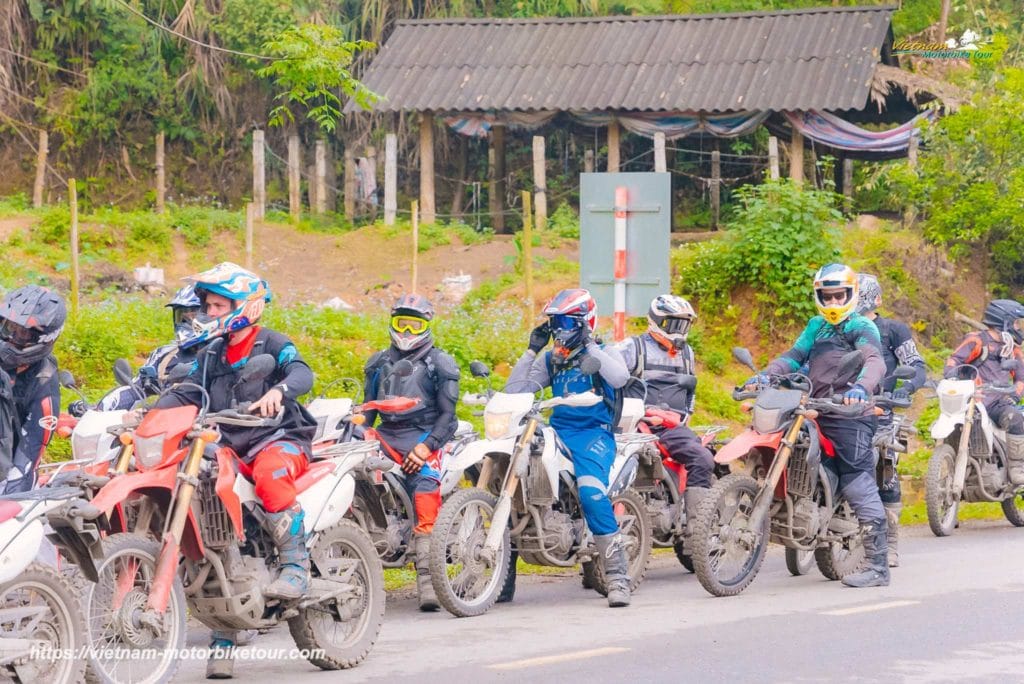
x=215 y=557
x=526 y=496
x=779 y=489
x=969 y=459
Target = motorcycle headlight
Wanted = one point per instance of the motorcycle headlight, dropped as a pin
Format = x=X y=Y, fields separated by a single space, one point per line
x=953 y=402
x=149 y=450
x=496 y=425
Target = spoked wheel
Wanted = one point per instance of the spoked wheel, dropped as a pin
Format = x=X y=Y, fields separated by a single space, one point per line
x=798 y=561
x=467 y=582
x=40 y=609
x=635 y=529
x=340 y=632
x=1013 y=509
x=836 y=560
x=941 y=504
x=129 y=642
x=727 y=554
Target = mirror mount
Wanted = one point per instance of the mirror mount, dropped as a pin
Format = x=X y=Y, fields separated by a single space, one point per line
x=743 y=356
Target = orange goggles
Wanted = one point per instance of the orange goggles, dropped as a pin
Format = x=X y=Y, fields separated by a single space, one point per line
x=409 y=324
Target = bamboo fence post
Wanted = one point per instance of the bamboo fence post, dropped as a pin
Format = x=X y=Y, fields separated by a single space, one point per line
x=390 y=178
x=259 y=173
x=250 y=219
x=349 y=183
x=660 y=164
x=613 y=147
x=773 y=158
x=588 y=161
x=796 y=158
x=415 y=244
x=716 y=188
x=40 y=184
x=496 y=165
x=294 y=178
x=427 y=168
x=320 y=162
x=528 y=256
x=540 y=182
x=161 y=189
x=73 y=201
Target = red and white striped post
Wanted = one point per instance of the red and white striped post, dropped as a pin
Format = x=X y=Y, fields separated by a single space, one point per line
x=619 y=316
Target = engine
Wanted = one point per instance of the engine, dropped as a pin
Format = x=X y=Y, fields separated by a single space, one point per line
x=558 y=537
x=806 y=520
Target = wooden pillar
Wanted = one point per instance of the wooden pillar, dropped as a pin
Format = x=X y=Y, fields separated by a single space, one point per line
x=496 y=193
x=415 y=213
x=311 y=186
x=390 y=178
x=847 y=176
x=540 y=182
x=773 y=158
x=613 y=147
x=160 y=178
x=796 y=158
x=943 y=20
x=427 y=206
x=40 y=185
x=716 y=188
x=909 y=214
x=371 y=160
x=73 y=202
x=461 y=161
x=660 y=165
x=294 y=178
x=349 y=184
x=320 y=164
x=528 y=257
x=588 y=161
x=259 y=175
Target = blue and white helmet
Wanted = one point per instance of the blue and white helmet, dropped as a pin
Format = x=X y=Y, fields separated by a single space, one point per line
x=247 y=291
x=184 y=307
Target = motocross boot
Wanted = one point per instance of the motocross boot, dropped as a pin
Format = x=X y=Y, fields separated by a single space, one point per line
x=892 y=535
x=424 y=587
x=616 y=568
x=289 y=536
x=221 y=663
x=875 y=572
x=1015 y=458
x=692 y=498
x=508 y=590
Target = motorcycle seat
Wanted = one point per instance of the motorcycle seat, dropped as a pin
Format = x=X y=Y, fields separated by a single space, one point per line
x=8 y=509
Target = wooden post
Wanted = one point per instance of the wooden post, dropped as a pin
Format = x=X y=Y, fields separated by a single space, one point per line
x=716 y=188
x=415 y=244
x=73 y=200
x=613 y=147
x=848 y=184
x=773 y=158
x=390 y=178
x=160 y=178
x=427 y=205
x=943 y=20
x=528 y=256
x=660 y=164
x=40 y=184
x=350 y=184
x=496 y=192
x=796 y=158
x=259 y=174
x=320 y=162
x=540 y=182
x=588 y=161
x=294 y=178
x=909 y=214
x=250 y=219
x=461 y=162
x=311 y=186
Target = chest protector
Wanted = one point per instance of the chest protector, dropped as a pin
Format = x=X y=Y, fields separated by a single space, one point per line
x=423 y=384
x=663 y=373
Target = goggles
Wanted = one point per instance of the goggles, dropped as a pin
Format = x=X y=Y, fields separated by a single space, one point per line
x=17 y=335
x=409 y=324
x=838 y=296
x=185 y=315
x=565 y=322
x=675 y=325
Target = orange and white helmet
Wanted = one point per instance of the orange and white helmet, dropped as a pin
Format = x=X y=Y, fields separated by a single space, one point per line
x=249 y=292
x=669 y=319
x=835 y=292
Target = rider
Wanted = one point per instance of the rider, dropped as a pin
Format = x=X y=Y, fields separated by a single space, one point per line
x=31 y=319
x=987 y=350
x=661 y=357
x=184 y=307
x=232 y=301
x=414 y=437
x=838 y=330
x=585 y=431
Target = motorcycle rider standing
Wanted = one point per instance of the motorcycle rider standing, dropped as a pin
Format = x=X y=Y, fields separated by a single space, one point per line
x=233 y=300
x=898 y=348
x=837 y=330
x=585 y=431
x=987 y=351
x=414 y=437
x=31 y=320
x=660 y=357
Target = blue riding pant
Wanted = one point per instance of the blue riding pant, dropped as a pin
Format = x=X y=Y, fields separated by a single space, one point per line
x=593 y=452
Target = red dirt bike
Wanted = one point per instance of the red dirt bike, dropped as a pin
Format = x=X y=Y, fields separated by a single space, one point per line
x=214 y=556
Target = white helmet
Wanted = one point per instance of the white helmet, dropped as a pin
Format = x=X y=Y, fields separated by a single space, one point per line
x=669 y=319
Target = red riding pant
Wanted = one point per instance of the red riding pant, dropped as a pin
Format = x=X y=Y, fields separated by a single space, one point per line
x=274 y=471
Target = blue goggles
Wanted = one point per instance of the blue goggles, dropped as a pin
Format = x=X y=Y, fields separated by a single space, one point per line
x=564 y=322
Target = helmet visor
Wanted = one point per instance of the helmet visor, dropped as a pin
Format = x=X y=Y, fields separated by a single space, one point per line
x=17 y=335
x=834 y=296
x=409 y=324
x=183 y=316
x=675 y=325
x=564 y=322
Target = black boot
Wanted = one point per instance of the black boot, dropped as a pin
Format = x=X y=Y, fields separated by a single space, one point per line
x=876 y=559
x=508 y=590
x=287 y=531
x=424 y=585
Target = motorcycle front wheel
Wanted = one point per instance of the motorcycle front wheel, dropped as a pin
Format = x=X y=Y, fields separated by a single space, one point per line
x=941 y=504
x=127 y=645
x=727 y=554
x=635 y=529
x=1013 y=509
x=466 y=583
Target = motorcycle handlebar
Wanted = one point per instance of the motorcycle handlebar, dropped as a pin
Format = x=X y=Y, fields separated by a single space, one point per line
x=242 y=419
x=739 y=394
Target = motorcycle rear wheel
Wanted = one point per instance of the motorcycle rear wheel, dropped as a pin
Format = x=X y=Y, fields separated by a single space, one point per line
x=719 y=532
x=635 y=528
x=839 y=559
x=458 y=573
x=343 y=550
x=798 y=561
x=938 y=491
x=1013 y=509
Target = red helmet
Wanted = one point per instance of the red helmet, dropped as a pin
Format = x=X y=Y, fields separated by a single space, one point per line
x=568 y=311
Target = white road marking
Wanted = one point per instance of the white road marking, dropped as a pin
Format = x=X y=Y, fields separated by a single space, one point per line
x=561 y=658
x=870 y=608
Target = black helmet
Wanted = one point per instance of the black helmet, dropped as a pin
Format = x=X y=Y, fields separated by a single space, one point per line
x=31 y=319
x=411 y=318
x=1006 y=315
x=184 y=308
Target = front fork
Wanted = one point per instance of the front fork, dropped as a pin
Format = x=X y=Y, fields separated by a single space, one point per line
x=503 y=510
x=167 y=563
x=764 y=497
x=960 y=469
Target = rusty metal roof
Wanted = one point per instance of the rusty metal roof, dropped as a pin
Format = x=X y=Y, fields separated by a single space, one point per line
x=799 y=59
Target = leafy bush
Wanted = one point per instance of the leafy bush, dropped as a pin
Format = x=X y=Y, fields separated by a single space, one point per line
x=564 y=222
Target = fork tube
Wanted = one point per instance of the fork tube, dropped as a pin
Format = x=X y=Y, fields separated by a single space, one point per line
x=499 y=520
x=960 y=470
x=183 y=502
x=124 y=458
x=779 y=463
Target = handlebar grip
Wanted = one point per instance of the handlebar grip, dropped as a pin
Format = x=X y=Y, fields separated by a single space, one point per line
x=739 y=394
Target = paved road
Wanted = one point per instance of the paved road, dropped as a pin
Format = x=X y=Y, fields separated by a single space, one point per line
x=954 y=613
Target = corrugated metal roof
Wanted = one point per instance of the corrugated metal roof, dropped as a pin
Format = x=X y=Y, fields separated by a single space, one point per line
x=799 y=59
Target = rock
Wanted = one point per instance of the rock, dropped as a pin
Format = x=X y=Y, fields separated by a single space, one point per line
x=337 y=304
x=455 y=288
x=147 y=276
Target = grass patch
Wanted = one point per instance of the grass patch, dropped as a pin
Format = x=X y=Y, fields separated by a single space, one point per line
x=916 y=514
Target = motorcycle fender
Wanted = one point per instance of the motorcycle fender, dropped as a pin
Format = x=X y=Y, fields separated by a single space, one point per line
x=745 y=442
x=456 y=464
x=625 y=476
x=19 y=541
x=225 y=488
x=944 y=425
x=122 y=486
x=327 y=501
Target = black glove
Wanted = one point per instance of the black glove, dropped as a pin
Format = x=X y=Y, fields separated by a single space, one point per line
x=539 y=337
x=902 y=393
x=78 y=408
x=585 y=333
